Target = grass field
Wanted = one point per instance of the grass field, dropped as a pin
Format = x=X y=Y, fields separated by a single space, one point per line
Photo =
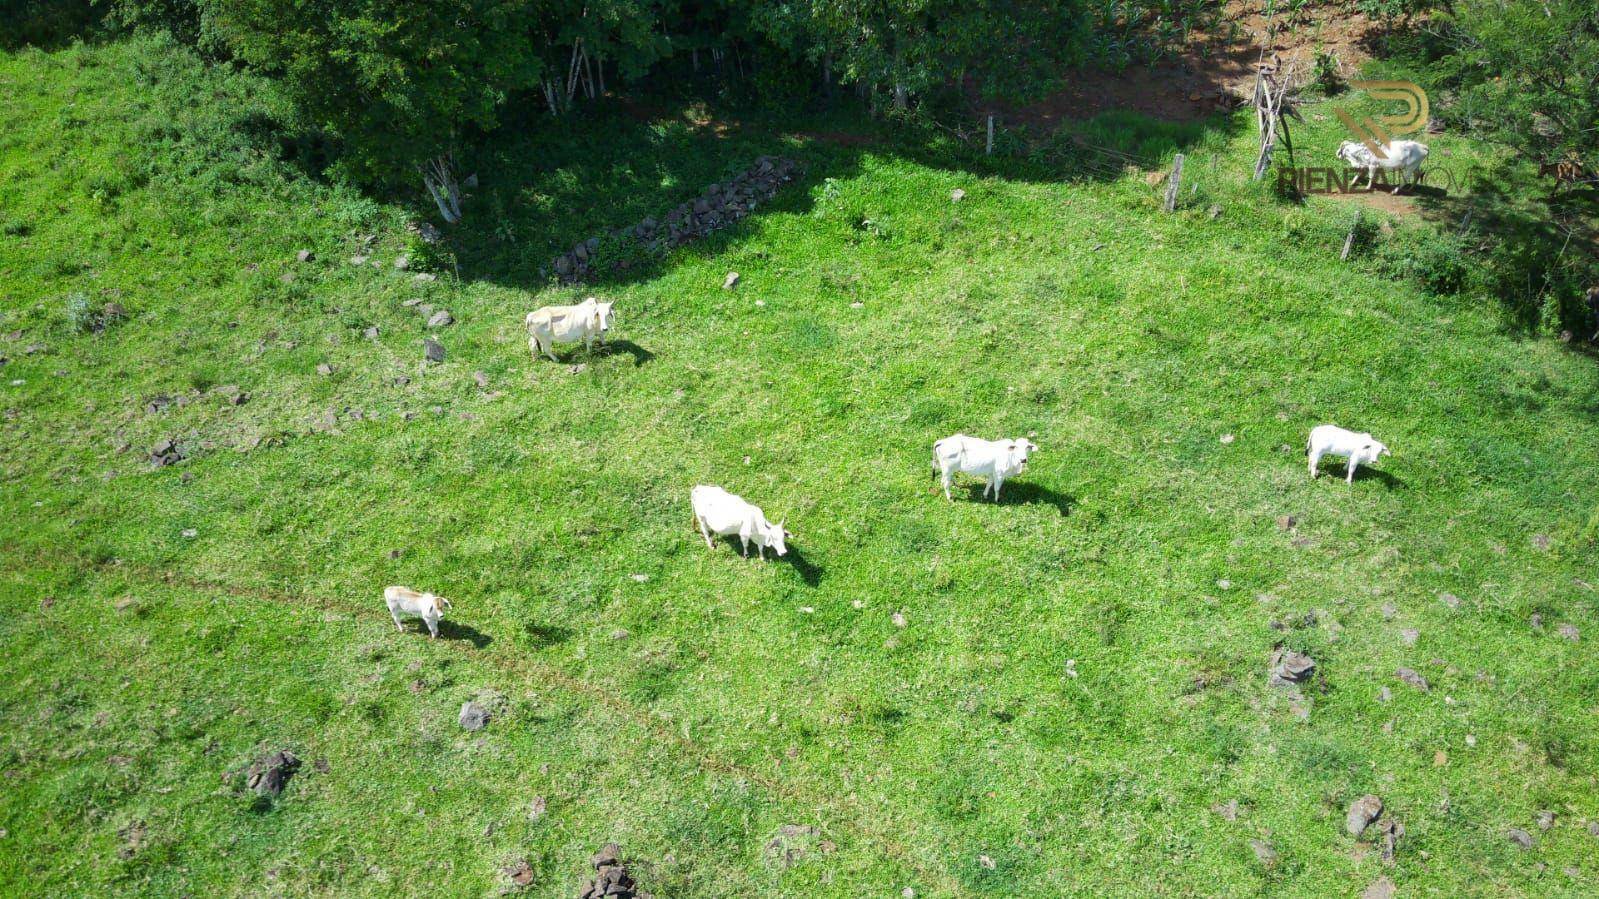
x=1080 y=677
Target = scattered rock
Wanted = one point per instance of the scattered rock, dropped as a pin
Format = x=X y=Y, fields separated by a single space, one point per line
x=1215 y=211
x=611 y=878
x=371 y=333
x=425 y=277
x=305 y=256
x=731 y=281
x=519 y=873
x=165 y=453
x=1390 y=831
x=1381 y=888
x=1440 y=759
x=432 y=350
x=1263 y=852
x=270 y=773
x=986 y=862
x=791 y=844
x=232 y=395
x=1546 y=819
x=473 y=716
x=190 y=533
x=358 y=259
x=1593 y=829
x=578 y=368
x=402 y=263
x=1228 y=809
x=1520 y=837
x=1228 y=438
x=1286 y=522
x=537 y=808
x=1411 y=677
x=481 y=379
x=1540 y=541
x=1290 y=668
x=1385 y=695
x=324 y=369
x=899 y=619
x=1410 y=635
x=957 y=195
x=1361 y=813
x=440 y=318
x=620 y=634
x=1450 y=600
x=1568 y=631
x=429 y=233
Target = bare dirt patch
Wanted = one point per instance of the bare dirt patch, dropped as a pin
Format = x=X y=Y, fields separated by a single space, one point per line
x=1214 y=70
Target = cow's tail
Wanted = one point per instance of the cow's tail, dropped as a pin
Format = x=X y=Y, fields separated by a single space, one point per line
x=936 y=445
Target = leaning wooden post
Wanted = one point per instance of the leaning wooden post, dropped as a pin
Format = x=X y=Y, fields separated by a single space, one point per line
x=990 y=150
x=1349 y=241
x=1174 y=183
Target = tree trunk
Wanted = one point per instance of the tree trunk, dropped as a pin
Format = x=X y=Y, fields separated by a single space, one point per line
x=438 y=176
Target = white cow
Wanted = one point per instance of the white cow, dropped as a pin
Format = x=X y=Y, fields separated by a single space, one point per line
x=721 y=513
x=1406 y=156
x=586 y=322
x=425 y=606
x=1331 y=440
x=991 y=460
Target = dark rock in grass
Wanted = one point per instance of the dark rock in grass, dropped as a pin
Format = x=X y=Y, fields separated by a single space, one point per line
x=1289 y=668
x=1411 y=677
x=1228 y=809
x=1593 y=829
x=441 y=318
x=611 y=878
x=473 y=716
x=519 y=873
x=305 y=256
x=371 y=333
x=1520 y=837
x=1389 y=832
x=165 y=453
x=157 y=403
x=1361 y=813
x=324 y=369
x=232 y=395
x=1546 y=819
x=432 y=350
x=270 y=773
x=1287 y=522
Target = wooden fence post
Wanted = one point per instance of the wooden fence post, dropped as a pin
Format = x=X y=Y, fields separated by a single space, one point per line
x=990 y=150
x=1349 y=242
x=1174 y=183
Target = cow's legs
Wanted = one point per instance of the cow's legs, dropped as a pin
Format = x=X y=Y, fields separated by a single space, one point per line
x=760 y=550
x=1354 y=462
x=433 y=627
x=745 y=541
x=1315 y=460
x=397 y=625
x=705 y=532
x=997 y=482
x=948 y=479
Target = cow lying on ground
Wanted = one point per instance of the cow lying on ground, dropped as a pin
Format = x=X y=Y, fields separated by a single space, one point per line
x=1404 y=156
x=585 y=322
x=1331 y=440
x=721 y=513
x=992 y=460
x=425 y=606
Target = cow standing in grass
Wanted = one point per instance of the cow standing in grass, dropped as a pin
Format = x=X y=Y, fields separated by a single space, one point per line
x=992 y=460
x=1403 y=156
x=1331 y=440
x=721 y=513
x=585 y=322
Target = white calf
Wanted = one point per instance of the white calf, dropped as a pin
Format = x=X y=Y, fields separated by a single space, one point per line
x=721 y=513
x=425 y=606
x=1331 y=440
x=584 y=322
x=991 y=460
x=1404 y=156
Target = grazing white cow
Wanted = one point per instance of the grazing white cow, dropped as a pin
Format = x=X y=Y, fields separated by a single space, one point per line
x=991 y=460
x=1331 y=440
x=586 y=322
x=425 y=606
x=721 y=513
x=1405 y=156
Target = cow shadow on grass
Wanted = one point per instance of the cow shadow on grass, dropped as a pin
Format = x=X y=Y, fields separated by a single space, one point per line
x=1024 y=493
x=454 y=630
x=641 y=356
x=1339 y=471
x=808 y=571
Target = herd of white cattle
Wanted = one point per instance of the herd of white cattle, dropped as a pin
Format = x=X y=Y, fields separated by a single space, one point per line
x=719 y=513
